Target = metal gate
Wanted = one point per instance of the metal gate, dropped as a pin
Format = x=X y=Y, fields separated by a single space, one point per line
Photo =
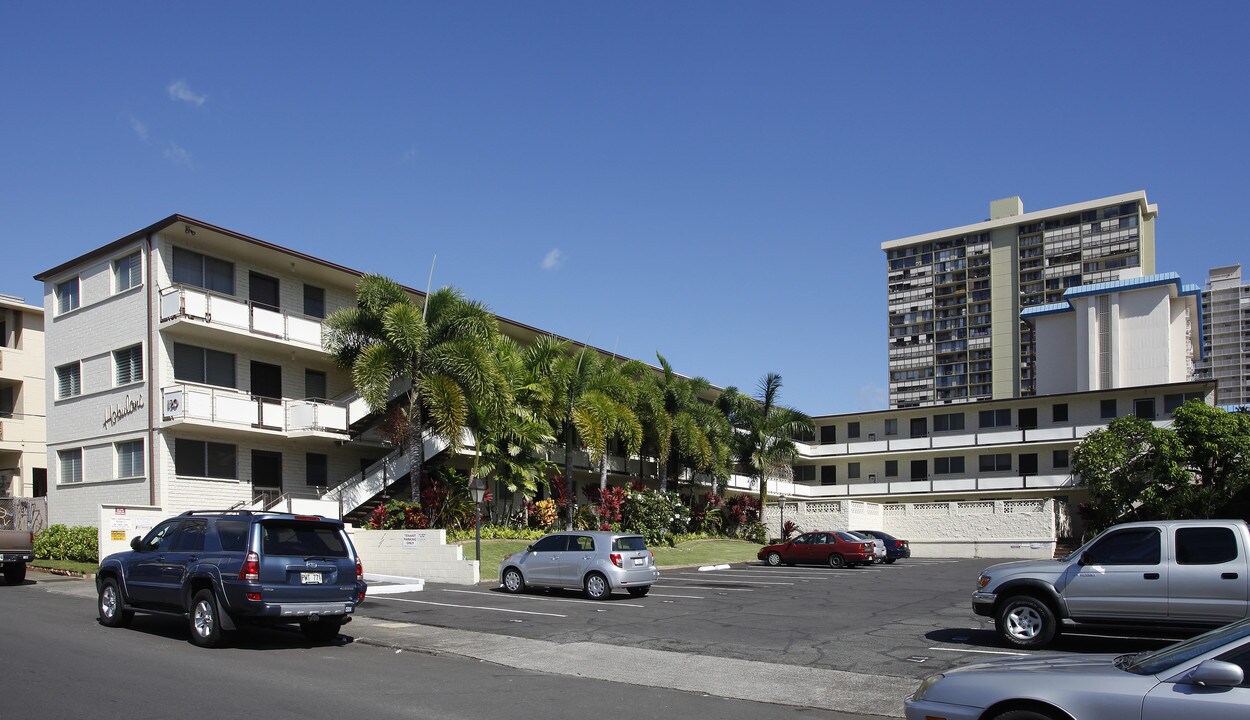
x=23 y=514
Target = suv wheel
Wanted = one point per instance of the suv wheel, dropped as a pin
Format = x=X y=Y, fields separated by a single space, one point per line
x=1026 y=622
x=324 y=630
x=205 y=623
x=111 y=605
x=597 y=587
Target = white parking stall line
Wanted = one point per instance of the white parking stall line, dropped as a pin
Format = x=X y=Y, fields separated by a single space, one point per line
x=687 y=597
x=823 y=574
x=703 y=587
x=600 y=603
x=751 y=578
x=982 y=652
x=467 y=607
x=702 y=577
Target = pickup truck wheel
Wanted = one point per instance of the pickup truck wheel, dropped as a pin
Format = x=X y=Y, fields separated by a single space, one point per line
x=1025 y=622
x=324 y=630
x=205 y=623
x=112 y=605
x=15 y=573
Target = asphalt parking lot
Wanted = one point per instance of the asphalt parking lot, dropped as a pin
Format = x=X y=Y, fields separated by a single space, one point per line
x=909 y=620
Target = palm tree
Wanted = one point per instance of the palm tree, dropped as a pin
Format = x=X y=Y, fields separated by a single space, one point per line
x=512 y=437
x=677 y=428
x=439 y=353
x=604 y=412
x=766 y=430
x=564 y=374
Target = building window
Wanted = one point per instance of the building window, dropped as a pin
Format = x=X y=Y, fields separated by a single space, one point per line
x=196 y=458
x=201 y=365
x=948 y=465
x=1106 y=409
x=314 y=384
x=1144 y=408
x=127 y=272
x=1027 y=418
x=996 y=463
x=129 y=458
x=891 y=426
x=317 y=470
x=128 y=365
x=828 y=474
x=804 y=473
x=995 y=418
x=1028 y=463
x=68 y=381
x=1059 y=412
x=192 y=268
x=852 y=471
x=71 y=465
x=948 y=422
x=7 y=403
x=314 y=302
x=891 y=468
x=919 y=469
x=67 y=296
x=1173 y=401
x=1059 y=459
x=852 y=430
x=828 y=434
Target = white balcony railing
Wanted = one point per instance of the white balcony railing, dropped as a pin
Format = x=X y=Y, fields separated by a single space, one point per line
x=197 y=304
x=192 y=403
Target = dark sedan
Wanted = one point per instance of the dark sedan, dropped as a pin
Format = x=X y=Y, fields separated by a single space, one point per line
x=835 y=549
x=895 y=549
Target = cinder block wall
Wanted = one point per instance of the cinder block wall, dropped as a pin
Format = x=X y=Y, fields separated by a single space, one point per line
x=422 y=554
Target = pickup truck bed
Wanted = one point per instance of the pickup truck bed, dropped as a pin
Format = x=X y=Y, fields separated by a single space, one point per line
x=16 y=549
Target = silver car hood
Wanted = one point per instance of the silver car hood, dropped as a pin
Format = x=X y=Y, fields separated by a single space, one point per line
x=1084 y=664
x=1035 y=568
x=1083 y=685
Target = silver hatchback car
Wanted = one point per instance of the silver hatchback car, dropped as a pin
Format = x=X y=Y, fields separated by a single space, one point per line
x=598 y=562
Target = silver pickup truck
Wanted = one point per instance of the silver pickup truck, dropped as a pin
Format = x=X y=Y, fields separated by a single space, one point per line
x=16 y=549
x=1175 y=573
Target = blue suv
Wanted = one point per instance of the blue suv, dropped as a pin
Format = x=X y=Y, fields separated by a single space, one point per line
x=220 y=569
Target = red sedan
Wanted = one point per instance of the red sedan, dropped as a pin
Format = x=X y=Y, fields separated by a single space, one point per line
x=837 y=549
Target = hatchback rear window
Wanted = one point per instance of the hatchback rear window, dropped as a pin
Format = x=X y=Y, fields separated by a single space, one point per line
x=629 y=543
x=302 y=539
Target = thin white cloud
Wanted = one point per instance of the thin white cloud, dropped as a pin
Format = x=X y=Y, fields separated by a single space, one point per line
x=140 y=129
x=176 y=153
x=410 y=154
x=873 y=397
x=553 y=260
x=180 y=90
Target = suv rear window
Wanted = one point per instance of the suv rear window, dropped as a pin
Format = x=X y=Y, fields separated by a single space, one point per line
x=302 y=539
x=629 y=543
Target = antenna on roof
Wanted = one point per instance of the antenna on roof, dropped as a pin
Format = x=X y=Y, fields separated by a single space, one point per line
x=426 y=305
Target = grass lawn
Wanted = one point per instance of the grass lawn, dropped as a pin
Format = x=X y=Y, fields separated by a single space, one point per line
x=87 y=568
x=695 y=552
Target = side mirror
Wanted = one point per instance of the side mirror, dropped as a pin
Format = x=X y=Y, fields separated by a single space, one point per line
x=1213 y=674
x=136 y=543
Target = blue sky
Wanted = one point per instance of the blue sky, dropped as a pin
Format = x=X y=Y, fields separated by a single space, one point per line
x=710 y=180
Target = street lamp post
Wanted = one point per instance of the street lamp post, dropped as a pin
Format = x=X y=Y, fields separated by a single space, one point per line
x=782 y=499
x=477 y=486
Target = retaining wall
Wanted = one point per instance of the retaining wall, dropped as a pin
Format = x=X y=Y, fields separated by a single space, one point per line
x=422 y=554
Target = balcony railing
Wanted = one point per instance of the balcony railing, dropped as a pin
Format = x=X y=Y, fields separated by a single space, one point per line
x=195 y=403
x=197 y=304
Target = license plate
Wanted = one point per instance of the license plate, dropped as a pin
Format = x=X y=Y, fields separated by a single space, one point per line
x=638 y=561
x=310 y=578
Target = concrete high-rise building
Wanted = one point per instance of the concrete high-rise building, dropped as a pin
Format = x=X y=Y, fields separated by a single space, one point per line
x=1226 y=335
x=955 y=296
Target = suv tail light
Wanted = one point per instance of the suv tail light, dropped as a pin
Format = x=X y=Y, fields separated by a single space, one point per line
x=251 y=568
x=360 y=570
x=616 y=559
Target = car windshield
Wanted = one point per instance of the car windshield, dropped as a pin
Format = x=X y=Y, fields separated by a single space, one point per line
x=1151 y=663
x=629 y=543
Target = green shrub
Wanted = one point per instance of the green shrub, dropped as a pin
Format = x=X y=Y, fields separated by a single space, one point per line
x=497 y=532
x=756 y=532
x=59 y=542
x=655 y=515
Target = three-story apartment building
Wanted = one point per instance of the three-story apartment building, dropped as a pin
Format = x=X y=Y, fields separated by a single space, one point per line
x=23 y=464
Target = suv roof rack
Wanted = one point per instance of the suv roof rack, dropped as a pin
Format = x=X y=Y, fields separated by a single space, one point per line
x=216 y=512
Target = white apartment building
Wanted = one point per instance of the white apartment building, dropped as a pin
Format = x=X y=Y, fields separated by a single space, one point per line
x=1226 y=335
x=23 y=455
x=1015 y=448
x=955 y=295
x=1123 y=333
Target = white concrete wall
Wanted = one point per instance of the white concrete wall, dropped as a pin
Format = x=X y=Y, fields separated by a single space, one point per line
x=422 y=554
x=1144 y=323
x=981 y=528
x=118 y=524
x=1057 y=353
